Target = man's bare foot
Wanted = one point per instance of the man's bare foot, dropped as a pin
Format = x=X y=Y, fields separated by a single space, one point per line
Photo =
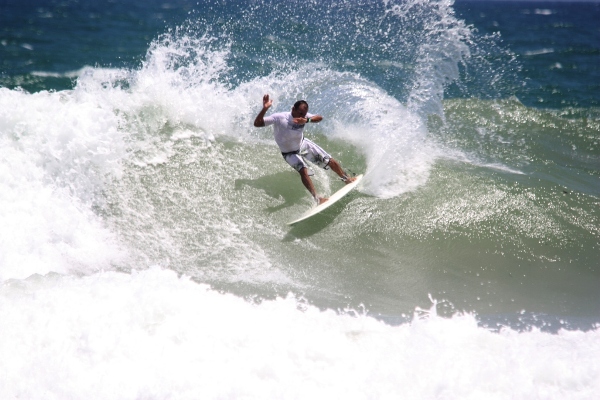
x=322 y=200
x=349 y=179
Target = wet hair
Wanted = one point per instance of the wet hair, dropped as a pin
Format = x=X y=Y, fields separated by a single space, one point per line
x=299 y=103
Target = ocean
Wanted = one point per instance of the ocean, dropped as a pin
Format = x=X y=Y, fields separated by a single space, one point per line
x=144 y=251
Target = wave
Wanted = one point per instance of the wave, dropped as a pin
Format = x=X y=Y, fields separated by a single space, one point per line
x=156 y=171
x=94 y=146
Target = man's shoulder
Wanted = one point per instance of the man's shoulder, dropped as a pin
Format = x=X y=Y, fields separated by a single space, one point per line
x=279 y=117
x=282 y=114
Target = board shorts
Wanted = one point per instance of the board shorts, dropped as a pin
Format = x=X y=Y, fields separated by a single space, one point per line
x=310 y=151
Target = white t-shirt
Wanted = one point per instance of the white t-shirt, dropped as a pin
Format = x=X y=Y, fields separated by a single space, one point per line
x=288 y=135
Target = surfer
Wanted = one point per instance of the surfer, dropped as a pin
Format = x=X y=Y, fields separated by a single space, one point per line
x=295 y=148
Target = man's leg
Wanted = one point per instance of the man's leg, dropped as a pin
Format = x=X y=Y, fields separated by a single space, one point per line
x=337 y=168
x=309 y=185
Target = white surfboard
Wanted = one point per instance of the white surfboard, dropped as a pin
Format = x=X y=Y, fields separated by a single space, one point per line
x=334 y=197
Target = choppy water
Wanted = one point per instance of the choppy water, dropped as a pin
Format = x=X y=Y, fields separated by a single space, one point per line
x=143 y=245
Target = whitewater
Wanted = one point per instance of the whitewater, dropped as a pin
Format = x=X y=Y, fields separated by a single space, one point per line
x=151 y=334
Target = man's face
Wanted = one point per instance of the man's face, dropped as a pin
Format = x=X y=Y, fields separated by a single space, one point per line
x=300 y=112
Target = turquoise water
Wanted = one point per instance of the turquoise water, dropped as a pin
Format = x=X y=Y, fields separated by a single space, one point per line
x=144 y=244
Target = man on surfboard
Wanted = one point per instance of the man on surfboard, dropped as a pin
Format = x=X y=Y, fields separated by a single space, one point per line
x=295 y=148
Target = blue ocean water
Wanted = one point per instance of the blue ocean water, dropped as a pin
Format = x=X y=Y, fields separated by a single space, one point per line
x=144 y=251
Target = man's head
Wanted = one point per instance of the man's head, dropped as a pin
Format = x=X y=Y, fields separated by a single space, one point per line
x=300 y=109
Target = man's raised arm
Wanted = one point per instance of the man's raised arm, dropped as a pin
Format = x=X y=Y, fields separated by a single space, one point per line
x=259 y=120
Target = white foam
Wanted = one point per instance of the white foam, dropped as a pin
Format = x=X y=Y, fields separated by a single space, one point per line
x=56 y=154
x=154 y=335
x=44 y=229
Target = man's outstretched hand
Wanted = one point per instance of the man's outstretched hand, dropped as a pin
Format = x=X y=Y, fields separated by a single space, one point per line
x=266 y=101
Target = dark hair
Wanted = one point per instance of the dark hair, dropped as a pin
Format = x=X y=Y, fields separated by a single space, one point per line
x=299 y=103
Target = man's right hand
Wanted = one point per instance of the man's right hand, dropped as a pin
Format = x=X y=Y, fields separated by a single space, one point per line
x=259 y=120
x=266 y=101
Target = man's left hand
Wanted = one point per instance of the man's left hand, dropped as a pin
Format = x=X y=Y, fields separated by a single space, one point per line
x=300 y=120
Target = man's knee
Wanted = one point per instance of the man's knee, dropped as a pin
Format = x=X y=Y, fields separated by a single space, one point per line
x=303 y=171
